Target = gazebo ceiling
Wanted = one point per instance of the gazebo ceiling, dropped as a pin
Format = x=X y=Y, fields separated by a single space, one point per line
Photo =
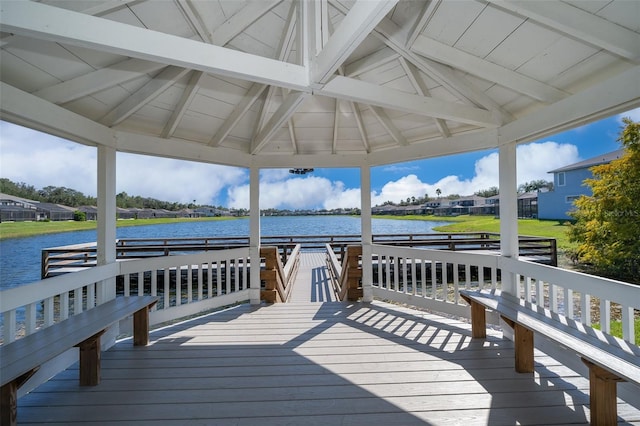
x=324 y=83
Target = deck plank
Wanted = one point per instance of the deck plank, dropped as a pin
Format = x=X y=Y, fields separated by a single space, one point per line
x=317 y=364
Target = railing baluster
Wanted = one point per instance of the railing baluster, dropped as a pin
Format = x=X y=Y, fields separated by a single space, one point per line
x=30 y=318
x=605 y=315
x=585 y=308
x=189 y=283
x=64 y=306
x=141 y=283
x=127 y=285
x=178 y=286
x=48 y=314
x=9 y=321
x=553 y=298
x=200 y=286
x=456 y=286
x=167 y=289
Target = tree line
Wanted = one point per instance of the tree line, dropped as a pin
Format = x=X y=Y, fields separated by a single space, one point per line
x=73 y=198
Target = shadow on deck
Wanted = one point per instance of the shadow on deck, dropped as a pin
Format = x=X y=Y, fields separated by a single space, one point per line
x=316 y=364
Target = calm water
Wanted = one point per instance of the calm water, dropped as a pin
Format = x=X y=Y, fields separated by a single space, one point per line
x=20 y=257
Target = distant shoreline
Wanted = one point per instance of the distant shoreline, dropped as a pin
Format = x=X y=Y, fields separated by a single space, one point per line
x=30 y=229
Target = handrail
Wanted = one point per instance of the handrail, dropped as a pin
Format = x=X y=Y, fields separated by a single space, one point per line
x=432 y=279
x=278 y=278
x=348 y=286
x=57 y=260
x=188 y=284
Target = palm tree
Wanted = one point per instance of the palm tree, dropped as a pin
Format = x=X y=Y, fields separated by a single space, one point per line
x=438 y=192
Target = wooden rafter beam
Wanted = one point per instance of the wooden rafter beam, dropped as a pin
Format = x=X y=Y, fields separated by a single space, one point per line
x=288 y=107
x=388 y=125
x=95 y=81
x=427 y=12
x=354 y=28
x=418 y=83
x=393 y=36
x=185 y=100
x=370 y=62
x=484 y=69
x=361 y=128
x=149 y=91
x=245 y=16
x=369 y=93
x=189 y=10
x=579 y=24
x=255 y=91
x=42 y=21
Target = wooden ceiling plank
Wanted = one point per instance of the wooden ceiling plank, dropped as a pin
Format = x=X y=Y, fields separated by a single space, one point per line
x=369 y=93
x=354 y=28
x=246 y=16
x=288 y=107
x=42 y=21
x=390 y=34
x=388 y=125
x=255 y=91
x=370 y=62
x=97 y=80
x=195 y=19
x=427 y=12
x=489 y=71
x=418 y=83
x=106 y=6
x=149 y=91
x=578 y=24
x=178 y=112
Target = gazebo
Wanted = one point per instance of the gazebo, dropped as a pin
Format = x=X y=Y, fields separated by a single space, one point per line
x=327 y=83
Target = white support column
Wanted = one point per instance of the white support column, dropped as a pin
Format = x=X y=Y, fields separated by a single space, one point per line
x=106 y=250
x=365 y=218
x=254 y=234
x=508 y=212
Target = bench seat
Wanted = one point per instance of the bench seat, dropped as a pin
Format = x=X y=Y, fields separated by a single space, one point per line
x=20 y=359
x=608 y=361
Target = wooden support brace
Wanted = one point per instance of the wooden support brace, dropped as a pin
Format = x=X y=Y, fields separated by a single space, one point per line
x=602 y=395
x=90 y=360
x=141 y=326
x=9 y=399
x=478 y=319
x=523 y=339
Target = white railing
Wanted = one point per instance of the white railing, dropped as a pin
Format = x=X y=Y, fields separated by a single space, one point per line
x=186 y=284
x=432 y=279
x=584 y=298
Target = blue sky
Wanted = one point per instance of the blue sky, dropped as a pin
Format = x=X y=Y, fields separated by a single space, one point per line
x=40 y=160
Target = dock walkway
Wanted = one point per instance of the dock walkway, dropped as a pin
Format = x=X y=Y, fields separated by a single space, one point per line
x=312 y=283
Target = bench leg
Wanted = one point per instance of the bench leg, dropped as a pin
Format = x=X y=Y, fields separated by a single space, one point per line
x=90 y=360
x=9 y=399
x=523 y=340
x=602 y=395
x=478 y=319
x=141 y=327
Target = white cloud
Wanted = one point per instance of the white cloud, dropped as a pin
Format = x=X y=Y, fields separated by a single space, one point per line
x=42 y=160
x=534 y=161
x=174 y=180
x=634 y=114
x=296 y=193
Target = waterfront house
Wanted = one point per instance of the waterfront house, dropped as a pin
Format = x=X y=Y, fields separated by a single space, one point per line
x=316 y=84
x=568 y=186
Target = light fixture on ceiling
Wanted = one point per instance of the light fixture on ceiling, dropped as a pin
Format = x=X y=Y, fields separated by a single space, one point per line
x=300 y=171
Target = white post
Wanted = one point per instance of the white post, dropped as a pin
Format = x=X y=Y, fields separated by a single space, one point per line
x=365 y=218
x=254 y=234
x=508 y=212
x=106 y=249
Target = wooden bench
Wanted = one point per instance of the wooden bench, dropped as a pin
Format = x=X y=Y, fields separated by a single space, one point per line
x=20 y=359
x=607 y=363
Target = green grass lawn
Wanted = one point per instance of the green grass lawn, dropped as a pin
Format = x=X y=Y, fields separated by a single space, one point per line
x=466 y=223
x=28 y=229
x=616 y=329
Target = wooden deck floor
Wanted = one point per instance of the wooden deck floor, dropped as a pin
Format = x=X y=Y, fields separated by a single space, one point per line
x=312 y=282
x=316 y=364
